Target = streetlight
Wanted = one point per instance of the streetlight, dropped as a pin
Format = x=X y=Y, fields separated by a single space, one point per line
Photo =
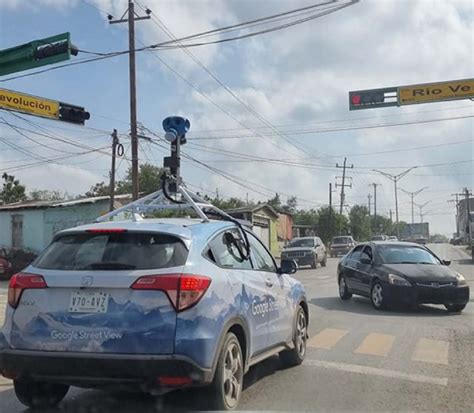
x=395 y=179
x=412 y=195
x=421 y=210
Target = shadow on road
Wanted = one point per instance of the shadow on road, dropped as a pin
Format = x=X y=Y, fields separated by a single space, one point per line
x=361 y=305
x=180 y=401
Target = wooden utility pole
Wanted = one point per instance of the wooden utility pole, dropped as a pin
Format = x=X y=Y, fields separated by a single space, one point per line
x=132 y=17
x=115 y=143
x=343 y=186
x=369 y=197
x=330 y=210
x=375 y=206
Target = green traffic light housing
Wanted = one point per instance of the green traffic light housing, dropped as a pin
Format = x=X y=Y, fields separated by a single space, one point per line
x=37 y=53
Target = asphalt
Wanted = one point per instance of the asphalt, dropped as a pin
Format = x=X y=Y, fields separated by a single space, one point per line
x=358 y=359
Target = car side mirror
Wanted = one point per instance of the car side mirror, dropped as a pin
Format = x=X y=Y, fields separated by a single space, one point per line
x=446 y=262
x=365 y=260
x=288 y=267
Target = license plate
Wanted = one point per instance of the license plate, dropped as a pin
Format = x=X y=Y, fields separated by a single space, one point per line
x=88 y=302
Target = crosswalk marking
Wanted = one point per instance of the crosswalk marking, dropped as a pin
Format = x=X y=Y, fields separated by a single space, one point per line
x=327 y=338
x=374 y=371
x=431 y=351
x=376 y=344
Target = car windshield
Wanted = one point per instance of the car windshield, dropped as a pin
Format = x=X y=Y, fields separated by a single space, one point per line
x=341 y=240
x=117 y=251
x=405 y=255
x=303 y=242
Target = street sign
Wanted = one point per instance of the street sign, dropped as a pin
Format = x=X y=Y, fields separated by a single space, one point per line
x=32 y=105
x=45 y=108
x=436 y=92
x=37 y=53
x=373 y=98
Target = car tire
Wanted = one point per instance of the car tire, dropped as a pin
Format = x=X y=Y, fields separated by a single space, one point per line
x=314 y=264
x=377 y=296
x=455 y=308
x=344 y=293
x=34 y=394
x=324 y=261
x=295 y=356
x=227 y=385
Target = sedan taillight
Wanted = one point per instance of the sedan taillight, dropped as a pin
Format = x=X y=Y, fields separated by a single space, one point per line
x=183 y=290
x=20 y=282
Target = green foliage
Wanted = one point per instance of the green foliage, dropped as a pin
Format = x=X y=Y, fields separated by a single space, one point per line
x=275 y=202
x=45 y=195
x=225 y=203
x=12 y=190
x=291 y=204
x=331 y=223
x=359 y=222
x=149 y=180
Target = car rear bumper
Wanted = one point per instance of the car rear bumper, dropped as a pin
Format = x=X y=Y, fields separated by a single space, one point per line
x=427 y=295
x=100 y=369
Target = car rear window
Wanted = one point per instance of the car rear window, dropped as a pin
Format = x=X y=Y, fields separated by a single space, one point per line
x=115 y=251
x=341 y=240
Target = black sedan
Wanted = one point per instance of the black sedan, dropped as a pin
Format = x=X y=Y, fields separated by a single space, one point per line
x=394 y=273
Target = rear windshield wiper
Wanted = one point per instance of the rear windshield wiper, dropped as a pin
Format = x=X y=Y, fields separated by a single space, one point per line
x=108 y=266
x=412 y=262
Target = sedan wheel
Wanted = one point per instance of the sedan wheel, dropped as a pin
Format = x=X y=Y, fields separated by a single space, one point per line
x=295 y=356
x=455 y=308
x=343 y=291
x=377 y=296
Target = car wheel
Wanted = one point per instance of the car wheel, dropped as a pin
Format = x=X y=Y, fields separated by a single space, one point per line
x=35 y=394
x=455 y=308
x=314 y=264
x=324 y=261
x=227 y=385
x=295 y=356
x=377 y=296
x=343 y=291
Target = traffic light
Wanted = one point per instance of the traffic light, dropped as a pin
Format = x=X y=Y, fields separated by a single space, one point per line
x=73 y=114
x=372 y=98
x=37 y=53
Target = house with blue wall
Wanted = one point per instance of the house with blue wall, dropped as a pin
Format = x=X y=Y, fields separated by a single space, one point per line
x=31 y=225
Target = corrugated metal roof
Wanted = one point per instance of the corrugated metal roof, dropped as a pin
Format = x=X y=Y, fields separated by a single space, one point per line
x=58 y=204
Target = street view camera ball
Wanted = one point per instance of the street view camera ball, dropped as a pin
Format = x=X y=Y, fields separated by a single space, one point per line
x=174 y=127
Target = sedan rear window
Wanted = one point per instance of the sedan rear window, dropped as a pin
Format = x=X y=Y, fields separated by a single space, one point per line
x=115 y=251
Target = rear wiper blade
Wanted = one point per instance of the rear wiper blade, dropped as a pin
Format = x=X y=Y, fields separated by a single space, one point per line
x=109 y=266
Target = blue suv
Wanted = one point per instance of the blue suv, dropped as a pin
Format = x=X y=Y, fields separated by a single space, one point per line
x=153 y=305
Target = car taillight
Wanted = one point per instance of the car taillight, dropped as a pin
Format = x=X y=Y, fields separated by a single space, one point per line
x=20 y=282
x=183 y=290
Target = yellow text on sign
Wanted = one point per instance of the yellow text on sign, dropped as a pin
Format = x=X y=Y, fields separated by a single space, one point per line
x=28 y=104
x=434 y=92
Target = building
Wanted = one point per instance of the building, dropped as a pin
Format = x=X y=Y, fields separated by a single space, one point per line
x=31 y=225
x=264 y=222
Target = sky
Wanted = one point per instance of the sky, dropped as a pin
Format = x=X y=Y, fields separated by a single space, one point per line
x=280 y=100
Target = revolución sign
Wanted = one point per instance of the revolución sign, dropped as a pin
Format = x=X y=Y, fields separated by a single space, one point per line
x=21 y=102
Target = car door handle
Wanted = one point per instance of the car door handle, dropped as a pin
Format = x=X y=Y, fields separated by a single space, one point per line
x=269 y=282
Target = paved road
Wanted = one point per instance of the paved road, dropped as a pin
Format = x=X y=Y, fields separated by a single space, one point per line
x=358 y=359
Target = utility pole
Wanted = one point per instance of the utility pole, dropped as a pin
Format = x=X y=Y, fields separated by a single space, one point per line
x=391 y=213
x=457 y=211
x=343 y=186
x=330 y=211
x=369 y=197
x=395 y=179
x=375 y=205
x=131 y=18
x=115 y=143
x=467 y=193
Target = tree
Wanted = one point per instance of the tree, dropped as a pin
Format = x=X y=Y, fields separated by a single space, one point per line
x=275 y=202
x=225 y=203
x=326 y=228
x=359 y=222
x=99 y=189
x=46 y=195
x=290 y=206
x=149 y=180
x=12 y=190
x=306 y=217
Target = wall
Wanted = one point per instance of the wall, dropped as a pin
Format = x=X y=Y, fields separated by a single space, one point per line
x=33 y=235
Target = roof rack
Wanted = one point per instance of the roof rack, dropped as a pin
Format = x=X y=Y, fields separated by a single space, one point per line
x=160 y=201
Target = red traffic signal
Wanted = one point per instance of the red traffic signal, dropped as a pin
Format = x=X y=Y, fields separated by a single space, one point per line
x=372 y=98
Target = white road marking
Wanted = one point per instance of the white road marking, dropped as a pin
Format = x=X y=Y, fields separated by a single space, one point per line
x=373 y=371
x=431 y=351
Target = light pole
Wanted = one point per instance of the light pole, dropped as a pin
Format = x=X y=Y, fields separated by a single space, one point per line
x=395 y=179
x=421 y=210
x=412 y=196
